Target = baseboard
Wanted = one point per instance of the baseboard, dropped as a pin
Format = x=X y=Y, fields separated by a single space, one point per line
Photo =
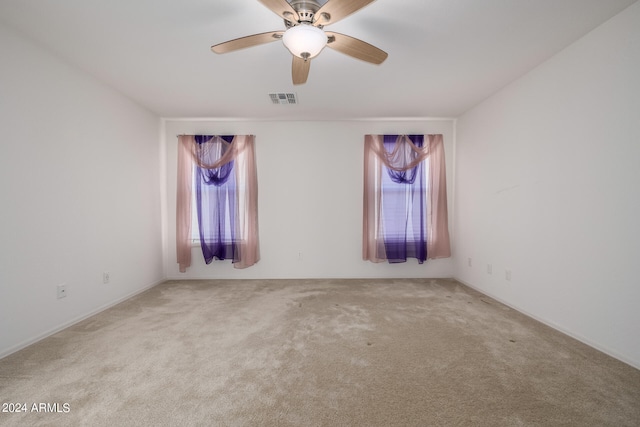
x=73 y=321
x=607 y=351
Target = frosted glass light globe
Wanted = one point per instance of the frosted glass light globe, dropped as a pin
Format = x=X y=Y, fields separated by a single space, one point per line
x=304 y=40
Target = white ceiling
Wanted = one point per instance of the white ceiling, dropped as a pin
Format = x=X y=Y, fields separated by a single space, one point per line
x=445 y=56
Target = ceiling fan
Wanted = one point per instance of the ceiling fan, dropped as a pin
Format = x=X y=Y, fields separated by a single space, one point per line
x=304 y=35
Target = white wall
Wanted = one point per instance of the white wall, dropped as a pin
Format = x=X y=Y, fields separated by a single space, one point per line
x=79 y=189
x=548 y=186
x=309 y=200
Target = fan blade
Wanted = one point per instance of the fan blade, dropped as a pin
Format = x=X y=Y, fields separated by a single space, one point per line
x=356 y=48
x=335 y=10
x=248 y=41
x=282 y=8
x=300 y=70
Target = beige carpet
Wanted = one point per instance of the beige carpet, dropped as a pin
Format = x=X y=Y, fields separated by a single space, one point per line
x=316 y=353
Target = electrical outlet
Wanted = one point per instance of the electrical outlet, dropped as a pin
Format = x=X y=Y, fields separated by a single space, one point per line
x=106 y=277
x=62 y=291
x=469 y=262
x=507 y=275
x=489 y=269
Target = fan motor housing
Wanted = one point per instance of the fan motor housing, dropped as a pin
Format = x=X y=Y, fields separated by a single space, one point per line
x=306 y=11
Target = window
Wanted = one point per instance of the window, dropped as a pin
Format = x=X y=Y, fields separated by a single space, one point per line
x=208 y=194
x=214 y=198
x=403 y=222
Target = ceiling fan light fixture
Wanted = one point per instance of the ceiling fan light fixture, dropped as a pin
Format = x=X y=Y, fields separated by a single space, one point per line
x=304 y=40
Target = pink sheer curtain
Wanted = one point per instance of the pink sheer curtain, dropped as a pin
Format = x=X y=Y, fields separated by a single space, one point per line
x=438 y=244
x=183 y=201
x=242 y=151
x=375 y=155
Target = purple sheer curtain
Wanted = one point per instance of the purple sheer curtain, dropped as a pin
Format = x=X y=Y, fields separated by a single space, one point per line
x=404 y=203
x=216 y=200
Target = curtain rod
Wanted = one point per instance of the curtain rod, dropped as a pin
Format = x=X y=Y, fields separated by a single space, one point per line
x=229 y=134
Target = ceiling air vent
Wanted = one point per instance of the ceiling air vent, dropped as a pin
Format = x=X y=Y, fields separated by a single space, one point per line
x=283 y=98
